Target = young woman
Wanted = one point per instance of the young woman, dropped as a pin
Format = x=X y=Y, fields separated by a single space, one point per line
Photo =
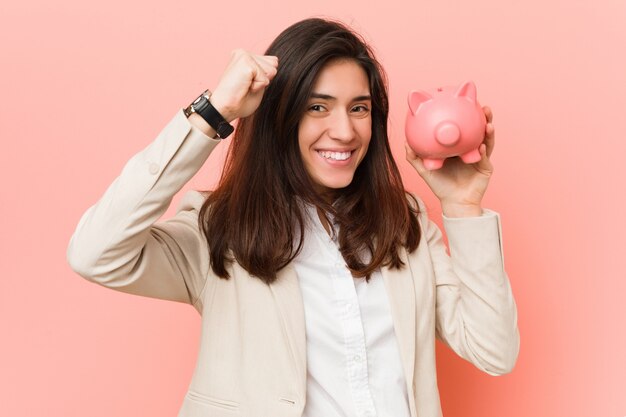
x=321 y=284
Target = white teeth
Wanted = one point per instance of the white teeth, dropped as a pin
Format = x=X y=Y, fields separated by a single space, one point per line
x=337 y=156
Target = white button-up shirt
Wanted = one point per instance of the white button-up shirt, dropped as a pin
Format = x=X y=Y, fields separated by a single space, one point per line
x=353 y=360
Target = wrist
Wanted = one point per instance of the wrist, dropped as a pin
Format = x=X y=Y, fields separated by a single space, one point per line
x=201 y=124
x=461 y=210
x=222 y=107
x=205 y=109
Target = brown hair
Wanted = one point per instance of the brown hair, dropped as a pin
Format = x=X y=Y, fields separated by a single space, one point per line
x=255 y=216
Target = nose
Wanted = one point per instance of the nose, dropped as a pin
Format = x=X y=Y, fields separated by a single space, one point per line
x=341 y=127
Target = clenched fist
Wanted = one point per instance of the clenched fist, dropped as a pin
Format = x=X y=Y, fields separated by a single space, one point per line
x=241 y=86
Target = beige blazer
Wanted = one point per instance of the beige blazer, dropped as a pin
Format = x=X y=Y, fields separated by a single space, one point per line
x=252 y=359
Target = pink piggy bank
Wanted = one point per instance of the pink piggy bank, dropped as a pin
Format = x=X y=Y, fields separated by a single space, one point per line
x=445 y=122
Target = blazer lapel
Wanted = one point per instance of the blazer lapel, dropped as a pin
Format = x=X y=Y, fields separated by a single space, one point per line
x=401 y=295
x=288 y=298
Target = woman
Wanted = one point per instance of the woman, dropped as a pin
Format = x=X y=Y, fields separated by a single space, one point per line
x=321 y=285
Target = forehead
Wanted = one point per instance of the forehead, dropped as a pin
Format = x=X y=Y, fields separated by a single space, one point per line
x=342 y=77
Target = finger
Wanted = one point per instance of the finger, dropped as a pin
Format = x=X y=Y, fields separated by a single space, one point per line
x=260 y=79
x=259 y=84
x=490 y=138
x=415 y=160
x=270 y=60
x=269 y=64
x=244 y=62
x=485 y=163
x=488 y=113
x=410 y=153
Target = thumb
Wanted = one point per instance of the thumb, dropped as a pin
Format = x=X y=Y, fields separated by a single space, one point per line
x=414 y=159
x=259 y=84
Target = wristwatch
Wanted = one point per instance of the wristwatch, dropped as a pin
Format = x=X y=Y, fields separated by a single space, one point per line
x=205 y=109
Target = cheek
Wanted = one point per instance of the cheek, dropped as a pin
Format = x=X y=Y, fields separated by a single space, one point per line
x=305 y=133
x=365 y=132
x=304 y=146
x=302 y=139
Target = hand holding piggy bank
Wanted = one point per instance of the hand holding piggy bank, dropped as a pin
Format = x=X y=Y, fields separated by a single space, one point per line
x=445 y=122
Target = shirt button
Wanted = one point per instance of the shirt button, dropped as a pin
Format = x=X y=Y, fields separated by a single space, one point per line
x=338 y=265
x=153 y=168
x=357 y=358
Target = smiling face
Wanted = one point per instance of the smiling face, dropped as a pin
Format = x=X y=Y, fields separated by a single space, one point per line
x=335 y=130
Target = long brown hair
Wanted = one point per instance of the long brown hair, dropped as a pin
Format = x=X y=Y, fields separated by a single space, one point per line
x=255 y=216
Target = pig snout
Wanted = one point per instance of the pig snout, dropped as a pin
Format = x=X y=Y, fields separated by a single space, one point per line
x=447 y=133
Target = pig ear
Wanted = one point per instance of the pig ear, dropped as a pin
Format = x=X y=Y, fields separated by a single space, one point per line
x=468 y=89
x=416 y=98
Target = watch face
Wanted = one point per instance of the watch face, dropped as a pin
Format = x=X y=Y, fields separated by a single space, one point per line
x=200 y=103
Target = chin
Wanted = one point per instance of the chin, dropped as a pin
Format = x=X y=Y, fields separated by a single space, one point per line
x=335 y=184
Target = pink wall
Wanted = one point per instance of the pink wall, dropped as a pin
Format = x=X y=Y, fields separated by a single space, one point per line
x=74 y=76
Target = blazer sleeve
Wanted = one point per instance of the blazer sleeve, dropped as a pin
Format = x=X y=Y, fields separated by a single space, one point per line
x=476 y=314
x=118 y=243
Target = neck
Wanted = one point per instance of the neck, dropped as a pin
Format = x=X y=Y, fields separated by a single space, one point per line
x=324 y=221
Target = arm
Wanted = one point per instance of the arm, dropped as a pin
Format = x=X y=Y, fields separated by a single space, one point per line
x=117 y=243
x=476 y=315
x=475 y=309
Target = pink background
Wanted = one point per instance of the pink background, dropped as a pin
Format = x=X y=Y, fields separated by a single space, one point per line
x=85 y=87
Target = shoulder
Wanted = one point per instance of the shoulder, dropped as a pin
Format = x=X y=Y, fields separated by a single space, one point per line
x=192 y=201
x=415 y=203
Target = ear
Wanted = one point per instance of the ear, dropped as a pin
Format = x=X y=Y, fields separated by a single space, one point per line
x=416 y=98
x=468 y=89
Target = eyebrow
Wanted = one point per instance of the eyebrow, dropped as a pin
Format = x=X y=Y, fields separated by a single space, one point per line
x=329 y=97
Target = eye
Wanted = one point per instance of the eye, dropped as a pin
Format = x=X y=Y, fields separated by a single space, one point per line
x=361 y=109
x=316 y=108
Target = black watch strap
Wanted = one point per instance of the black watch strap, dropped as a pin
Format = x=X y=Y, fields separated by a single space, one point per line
x=205 y=109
